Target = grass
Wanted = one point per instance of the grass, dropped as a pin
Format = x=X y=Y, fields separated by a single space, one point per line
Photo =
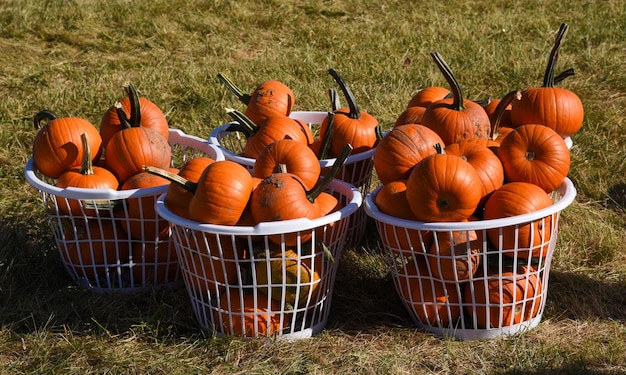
x=75 y=56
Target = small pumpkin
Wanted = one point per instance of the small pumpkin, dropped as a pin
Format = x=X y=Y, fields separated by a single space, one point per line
x=443 y=187
x=270 y=98
x=58 y=145
x=500 y=300
x=95 y=248
x=555 y=107
x=536 y=154
x=87 y=176
x=285 y=277
x=455 y=255
x=132 y=148
x=247 y=315
x=455 y=118
x=351 y=125
x=523 y=240
x=177 y=198
x=270 y=130
x=296 y=156
x=401 y=149
x=427 y=96
x=140 y=218
x=433 y=302
x=132 y=111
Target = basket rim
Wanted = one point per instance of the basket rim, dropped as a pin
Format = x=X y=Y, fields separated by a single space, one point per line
x=176 y=136
x=270 y=228
x=567 y=191
x=310 y=117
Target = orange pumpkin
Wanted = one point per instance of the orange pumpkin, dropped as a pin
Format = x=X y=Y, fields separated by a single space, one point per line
x=270 y=98
x=297 y=158
x=94 y=249
x=58 y=145
x=129 y=150
x=555 y=107
x=443 y=187
x=401 y=149
x=351 y=125
x=433 y=302
x=244 y=314
x=455 y=118
x=455 y=255
x=177 y=198
x=502 y=299
x=535 y=154
x=525 y=239
x=132 y=111
x=140 y=218
x=427 y=96
x=87 y=176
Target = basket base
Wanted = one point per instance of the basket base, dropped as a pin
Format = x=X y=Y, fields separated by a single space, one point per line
x=480 y=334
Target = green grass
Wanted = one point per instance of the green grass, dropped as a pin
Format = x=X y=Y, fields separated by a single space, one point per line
x=75 y=56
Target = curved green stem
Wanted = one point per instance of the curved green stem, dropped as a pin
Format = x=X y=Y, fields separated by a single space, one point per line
x=173 y=177
x=457 y=93
x=42 y=115
x=355 y=113
x=135 y=106
x=328 y=136
x=243 y=97
x=548 y=78
x=322 y=184
x=501 y=108
x=244 y=124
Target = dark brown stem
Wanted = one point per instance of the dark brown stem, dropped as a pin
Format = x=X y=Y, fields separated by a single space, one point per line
x=564 y=74
x=323 y=183
x=44 y=115
x=548 y=78
x=457 y=92
x=355 y=113
x=335 y=103
x=173 y=177
x=501 y=109
x=135 y=105
x=121 y=115
x=328 y=136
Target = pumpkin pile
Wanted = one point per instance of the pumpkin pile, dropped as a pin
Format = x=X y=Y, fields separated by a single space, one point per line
x=266 y=120
x=71 y=152
x=449 y=160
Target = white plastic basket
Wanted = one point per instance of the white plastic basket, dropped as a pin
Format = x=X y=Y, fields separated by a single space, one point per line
x=356 y=171
x=224 y=266
x=95 y=249
x=444 y=289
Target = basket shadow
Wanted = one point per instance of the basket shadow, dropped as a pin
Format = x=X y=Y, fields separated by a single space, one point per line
x=579 y=297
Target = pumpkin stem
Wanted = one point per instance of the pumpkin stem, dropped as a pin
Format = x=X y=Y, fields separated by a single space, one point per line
x=86 y=165
x=328 y=136
x=243 y=97
x=173 y=177
x=243 y=123
x=335 y=103
x=457 y=93
x=439 y=148
x=121 y=115
x=355 y=113
x=564 y=74
x=323 y=183
x=548 y=78
x=42 y=115
x=135 y=106
x=501 y=109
